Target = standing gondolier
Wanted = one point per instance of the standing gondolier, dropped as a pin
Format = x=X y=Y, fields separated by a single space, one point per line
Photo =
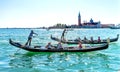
x=30 y=37
x=62 y=37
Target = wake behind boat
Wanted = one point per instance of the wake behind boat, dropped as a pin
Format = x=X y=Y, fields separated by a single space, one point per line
x=76 y=41
x=54 y=49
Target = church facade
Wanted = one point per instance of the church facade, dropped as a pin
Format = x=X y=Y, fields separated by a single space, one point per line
x=90 y=24
x=85 y=24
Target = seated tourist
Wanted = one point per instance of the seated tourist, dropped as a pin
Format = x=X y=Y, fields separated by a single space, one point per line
x=48 y=46
x=78 y=39
x=85 y=39
x=59 y=46
x=99 y=40
x=91 y=39
x=80 y=45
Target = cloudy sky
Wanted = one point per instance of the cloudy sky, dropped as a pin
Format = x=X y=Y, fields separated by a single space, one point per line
x=39 y=13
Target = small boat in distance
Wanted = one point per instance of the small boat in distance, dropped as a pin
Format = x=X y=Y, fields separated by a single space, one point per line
x=65 y=49
x=76 y=41
x=115 y=27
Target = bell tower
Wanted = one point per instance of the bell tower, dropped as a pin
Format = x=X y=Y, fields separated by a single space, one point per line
x=79 y=20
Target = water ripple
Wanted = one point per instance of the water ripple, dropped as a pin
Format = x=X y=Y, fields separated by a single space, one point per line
x=12 y=60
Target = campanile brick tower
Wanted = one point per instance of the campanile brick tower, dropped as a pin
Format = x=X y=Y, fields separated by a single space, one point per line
x=79 y=20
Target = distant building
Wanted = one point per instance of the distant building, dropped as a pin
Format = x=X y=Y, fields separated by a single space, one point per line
x=85 y=24
x=107 y=25
x=90 y=24
x=59 y=25
x=79 y=20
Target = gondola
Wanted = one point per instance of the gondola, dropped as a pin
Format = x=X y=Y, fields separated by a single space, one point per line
x=65 y=49
x=85 y=41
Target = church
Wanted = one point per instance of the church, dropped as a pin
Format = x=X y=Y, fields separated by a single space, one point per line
x=90 y=24
x=85 y=24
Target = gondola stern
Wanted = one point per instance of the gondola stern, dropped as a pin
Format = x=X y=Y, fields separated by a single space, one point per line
x=10 y=41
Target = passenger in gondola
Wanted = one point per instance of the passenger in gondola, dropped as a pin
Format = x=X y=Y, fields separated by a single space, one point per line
x=85 y=39
x=30 y=38
x=48 y=46
x=91 y=39
x=62 y=37
x=79 y=45
x=99 y=40
x=59 y=46
x=78 y=39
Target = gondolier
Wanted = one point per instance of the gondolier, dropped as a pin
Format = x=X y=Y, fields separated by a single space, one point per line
x=30 y=37
x=62 y=37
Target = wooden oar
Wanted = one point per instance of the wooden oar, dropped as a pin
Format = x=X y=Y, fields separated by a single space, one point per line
x=18 y=50
x=13 y=55
x=108 y=40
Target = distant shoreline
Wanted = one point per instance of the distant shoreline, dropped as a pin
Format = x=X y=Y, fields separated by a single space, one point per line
x=54 y=28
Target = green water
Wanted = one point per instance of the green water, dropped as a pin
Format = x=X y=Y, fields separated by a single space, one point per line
x=14 y=60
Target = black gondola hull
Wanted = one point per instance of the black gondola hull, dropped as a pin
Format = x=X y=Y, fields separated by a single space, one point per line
x=83 y=41
x=66 y=49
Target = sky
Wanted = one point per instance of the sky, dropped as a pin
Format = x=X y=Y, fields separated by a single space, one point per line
x=39 y=13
